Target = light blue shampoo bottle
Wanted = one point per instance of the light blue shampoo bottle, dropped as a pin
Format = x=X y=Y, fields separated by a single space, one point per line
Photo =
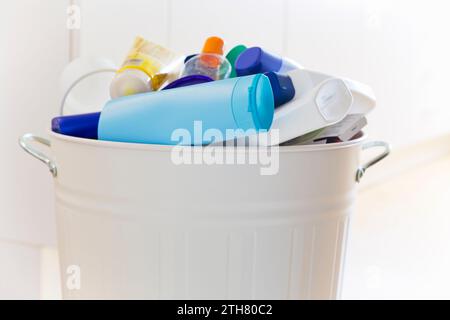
x=155 y=117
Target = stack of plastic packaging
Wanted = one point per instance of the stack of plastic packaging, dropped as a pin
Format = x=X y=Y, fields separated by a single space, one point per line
x=244 y=94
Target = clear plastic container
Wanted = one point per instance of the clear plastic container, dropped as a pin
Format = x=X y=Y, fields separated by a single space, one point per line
x=214 y=66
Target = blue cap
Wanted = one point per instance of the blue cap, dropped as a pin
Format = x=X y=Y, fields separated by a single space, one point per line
x=80 y=125
x=188 y=81
x=282 y=87
x=256 y=60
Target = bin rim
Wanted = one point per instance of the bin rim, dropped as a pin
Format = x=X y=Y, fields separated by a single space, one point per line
x=169 y=148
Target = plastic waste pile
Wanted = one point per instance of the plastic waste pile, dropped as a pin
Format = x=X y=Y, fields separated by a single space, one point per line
x=241 y=95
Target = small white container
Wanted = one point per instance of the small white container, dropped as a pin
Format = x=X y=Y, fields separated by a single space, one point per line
x=140 y=227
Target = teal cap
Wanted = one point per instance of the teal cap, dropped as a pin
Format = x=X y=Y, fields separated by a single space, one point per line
x=253 y=103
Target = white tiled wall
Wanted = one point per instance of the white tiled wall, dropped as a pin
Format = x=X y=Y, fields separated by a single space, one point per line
x=397 y=47
x=19 y=271
x=108 y=27
x=34 y=50
x=250 y=22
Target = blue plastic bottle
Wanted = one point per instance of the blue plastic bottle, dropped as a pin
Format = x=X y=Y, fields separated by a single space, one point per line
x=86 y=125
x=237 y=103
x=79 y=125
x=256 y=60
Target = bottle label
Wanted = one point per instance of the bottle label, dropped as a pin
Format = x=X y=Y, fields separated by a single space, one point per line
x=148 y=57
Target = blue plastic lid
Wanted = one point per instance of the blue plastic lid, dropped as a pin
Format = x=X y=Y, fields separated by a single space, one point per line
x=253 y=103
x=188 y=81
x=80 y=125
x=282 y=87
x=256 y=60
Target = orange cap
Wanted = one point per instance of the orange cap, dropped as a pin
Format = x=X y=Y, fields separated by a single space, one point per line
x=213 y=45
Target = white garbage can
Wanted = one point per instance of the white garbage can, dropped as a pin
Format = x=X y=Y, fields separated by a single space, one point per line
x=134 y=224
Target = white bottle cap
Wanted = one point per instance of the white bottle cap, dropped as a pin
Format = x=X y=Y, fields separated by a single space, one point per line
x=128 y=82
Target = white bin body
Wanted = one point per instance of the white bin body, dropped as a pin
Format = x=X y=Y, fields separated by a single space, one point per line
x=139 y=226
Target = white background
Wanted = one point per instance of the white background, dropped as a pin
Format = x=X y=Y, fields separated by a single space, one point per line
x=398 y=47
